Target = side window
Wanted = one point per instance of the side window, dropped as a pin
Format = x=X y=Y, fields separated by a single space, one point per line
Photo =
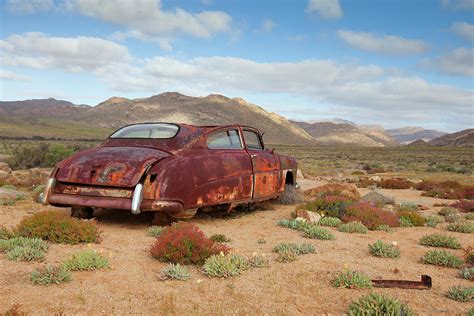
x=224 y=140
x=252 y=140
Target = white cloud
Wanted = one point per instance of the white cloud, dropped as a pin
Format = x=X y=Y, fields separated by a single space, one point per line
x=149 y=19
x=30 y=6
x=8 y=75
x=386 y=44
x=464 y=29
x=458 y=62
x=267 y=26
x=37 y=50
x=458 y=4
x=328 y=9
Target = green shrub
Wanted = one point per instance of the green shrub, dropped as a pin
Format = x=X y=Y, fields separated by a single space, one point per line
x=58 y=227
x=351 y=280
x=384 y=228
x=470 y=312
x=469 y=216
x=316 y=232
x=467 y=273
x=461 y=227
x=405 y=222
x=155 y=231
x=219 y=238
x=298 y=249
x=447 y=211
x=8 y=186
x=50 y=275
x=41 y=155
x=224 y=266
x=5 y=233
x=408 y=206
x=257 y=261
x=34 y=243
x=461 y=294
x=451 y=218
x=353 y=227
x=413 y=217
x=433 y=220
x=86 y=260
x=440 y=240
x=384 y=250
x=329 y=221
x=379 y=304
x=174 y=272
x=292 y=224
x=25 y=254
x=442 y=258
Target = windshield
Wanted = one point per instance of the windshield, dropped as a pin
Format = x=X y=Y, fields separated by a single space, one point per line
x=149 y=130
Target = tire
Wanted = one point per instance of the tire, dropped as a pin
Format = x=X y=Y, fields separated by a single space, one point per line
x=290 y=195
x=162 y=219
x=82 y=212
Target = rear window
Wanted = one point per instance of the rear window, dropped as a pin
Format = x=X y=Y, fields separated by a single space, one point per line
x=150 y=131
x=224 y=140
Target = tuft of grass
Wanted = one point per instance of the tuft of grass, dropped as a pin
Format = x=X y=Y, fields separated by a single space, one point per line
x=86 y=260
x=174 y=271
x=379 y=304
x=461 y=294
x=24 y=249
x=447 y=211
x=219 y=238
x=467 y=273
x=384 y=250
x=442 y=258
x=433 y=220
x=316 y=232
x=461 y=227
x=351 y=280
x=292 y=224
x=155 y=231
x=353 y=227
x=383 y=227
x=223 y=266
x=5 y=233
x=25 y=254
x=405 y=222
x=469 y=216
x=440 y=240
x=257 y=261
x=408 y=206
x=298 y=249
x=286 y=256
x=50 y=275
x=329 y=221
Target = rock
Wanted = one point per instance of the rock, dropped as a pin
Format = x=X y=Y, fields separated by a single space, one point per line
x=377 y=198
x=10 y=194
x=423 y=207
x=375 y=178
x=309 y=216
x=299 y=174
x=5 y=167
x=348 y=190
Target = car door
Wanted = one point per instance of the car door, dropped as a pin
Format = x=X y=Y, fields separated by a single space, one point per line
x=265 y=165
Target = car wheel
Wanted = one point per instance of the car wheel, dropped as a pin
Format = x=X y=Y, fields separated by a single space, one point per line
x=162 y=219
x=82 y=212
x=290 y=195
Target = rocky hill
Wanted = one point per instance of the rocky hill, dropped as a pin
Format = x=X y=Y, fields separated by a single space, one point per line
x=407 y=135
x=463 y=138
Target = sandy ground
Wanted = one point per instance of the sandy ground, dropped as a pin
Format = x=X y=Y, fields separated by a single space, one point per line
x=301 y=287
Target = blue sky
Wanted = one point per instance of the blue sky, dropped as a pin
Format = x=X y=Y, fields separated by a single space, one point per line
x=393 y=63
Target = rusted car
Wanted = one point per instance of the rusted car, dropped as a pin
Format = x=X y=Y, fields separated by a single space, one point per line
x=172 y=170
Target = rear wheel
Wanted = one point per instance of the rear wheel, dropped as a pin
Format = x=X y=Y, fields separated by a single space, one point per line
x=82 y=212
x=290 y=195
x=162 y=219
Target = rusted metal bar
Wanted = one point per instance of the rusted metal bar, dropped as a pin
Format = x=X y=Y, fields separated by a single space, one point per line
x=424 y=284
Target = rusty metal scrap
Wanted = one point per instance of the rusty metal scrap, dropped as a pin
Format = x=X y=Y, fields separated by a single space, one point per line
x=424 y=284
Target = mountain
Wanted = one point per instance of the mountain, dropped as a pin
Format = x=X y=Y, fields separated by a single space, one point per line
x=463 y=138
x=349 y=134
x=406 y=135
x=333 y=120
x=418 y=143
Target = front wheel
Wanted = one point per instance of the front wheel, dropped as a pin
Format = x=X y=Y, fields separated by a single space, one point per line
x=82 y=212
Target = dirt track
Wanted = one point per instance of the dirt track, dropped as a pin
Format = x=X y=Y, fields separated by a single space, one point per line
x=300 y=287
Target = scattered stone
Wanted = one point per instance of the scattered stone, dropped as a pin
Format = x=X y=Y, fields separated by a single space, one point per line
x=309 y=216
x=10 y=194
x=5 y=167
x=349 y=190
x=375 y=178
x=378 y=198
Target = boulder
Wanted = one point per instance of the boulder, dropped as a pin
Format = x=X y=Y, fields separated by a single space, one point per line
x=310 y=217
x=378 y=198
x=375 y=178
x=348 y=190
x=10 y=194
x=5 y=167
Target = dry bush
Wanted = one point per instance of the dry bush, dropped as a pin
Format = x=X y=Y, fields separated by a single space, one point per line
x=346 y=190
x=395 y=184
x=412 y=217
x=370 y=215
x=464 y=206
x=446 y=190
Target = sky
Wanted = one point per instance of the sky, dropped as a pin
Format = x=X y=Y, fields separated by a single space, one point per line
x=392 y=63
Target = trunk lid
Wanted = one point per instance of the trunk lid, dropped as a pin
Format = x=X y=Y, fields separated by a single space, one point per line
x=109 y=166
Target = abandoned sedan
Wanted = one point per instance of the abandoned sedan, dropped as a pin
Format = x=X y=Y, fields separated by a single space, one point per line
x=172 y=170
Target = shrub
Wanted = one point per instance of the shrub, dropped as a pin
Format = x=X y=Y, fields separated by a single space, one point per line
x=433 y=220
x=41 y=155
x=447 y=211
x=298 y=249
x=464 y=205
x=24 y=249
x=184 y=243
x=442 y=258
x=405 y=222
x=219 y=238
x=25 y=254
x=384 y=250
x=408 y=206
x=329 y=203
x=58 y=227
x=5 y=233
x=439 y=240
x=155 y=231
x=379 y=304
x=414 y=218
x=329 y=221
x=383 y=227
x=395 y=184
x=469 y=255
x=286 y=256
x=353 y=227
x=467 y=273
x=292 y=224
x=451 y=218
x=461 y=294
x=316 y=232
x=257 y=261
x=370 y=215
x=225 y=265
x=461 y=227
x=174 y=272
x=470 y=312
x=88 y=260
x=351 y=280
x=50 y=275
x=448 y=190
x=469 y=216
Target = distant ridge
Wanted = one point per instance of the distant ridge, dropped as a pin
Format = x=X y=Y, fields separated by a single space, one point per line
x=463 y=138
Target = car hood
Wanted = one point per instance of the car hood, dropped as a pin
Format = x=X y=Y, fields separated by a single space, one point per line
x=109 y=166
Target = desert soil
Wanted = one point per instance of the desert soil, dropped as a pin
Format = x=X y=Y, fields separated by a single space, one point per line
x=301 y=287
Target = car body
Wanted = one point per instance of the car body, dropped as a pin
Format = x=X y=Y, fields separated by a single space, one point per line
x=174 y=169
